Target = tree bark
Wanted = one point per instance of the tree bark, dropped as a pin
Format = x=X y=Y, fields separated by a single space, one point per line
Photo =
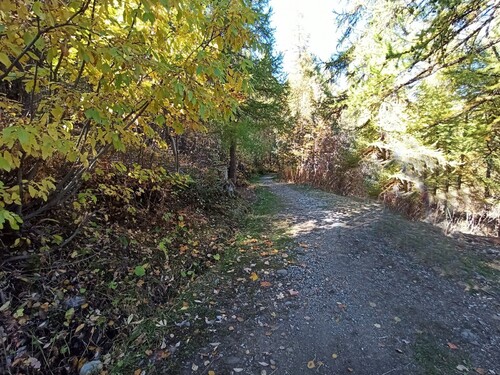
x=232 y=161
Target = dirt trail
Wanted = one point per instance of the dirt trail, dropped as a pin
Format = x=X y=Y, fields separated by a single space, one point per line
x=366 y=303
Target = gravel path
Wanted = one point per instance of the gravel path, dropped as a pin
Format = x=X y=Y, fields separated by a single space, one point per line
x=354 y=301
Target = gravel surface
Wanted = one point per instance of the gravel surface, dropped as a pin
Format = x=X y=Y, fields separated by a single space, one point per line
x=355 y=300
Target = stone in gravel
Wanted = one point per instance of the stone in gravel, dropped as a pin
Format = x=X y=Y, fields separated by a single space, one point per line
x=469 y=336
x=91 y=368
x=232 y=360
x=282 y=272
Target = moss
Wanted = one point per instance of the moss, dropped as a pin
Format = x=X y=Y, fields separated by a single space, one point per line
x=435 y=359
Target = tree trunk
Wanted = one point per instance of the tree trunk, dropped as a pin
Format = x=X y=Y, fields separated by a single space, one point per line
x=232 y=161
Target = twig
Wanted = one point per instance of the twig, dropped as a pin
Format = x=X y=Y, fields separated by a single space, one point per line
x=77 y=230
x=394 y=369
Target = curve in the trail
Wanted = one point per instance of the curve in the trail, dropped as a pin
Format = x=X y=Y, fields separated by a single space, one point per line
x=365 y=304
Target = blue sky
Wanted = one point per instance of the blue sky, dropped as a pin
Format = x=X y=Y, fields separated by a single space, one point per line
x=315 y=18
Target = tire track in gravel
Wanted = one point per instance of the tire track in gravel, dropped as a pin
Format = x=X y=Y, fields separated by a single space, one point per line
x=364 y=305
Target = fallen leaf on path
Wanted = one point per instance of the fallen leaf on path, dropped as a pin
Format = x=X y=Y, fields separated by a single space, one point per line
x=265 y=284
x=253 y=276
x=194 y=367
x=311 y=364
x=237 y=369
x=452 y=346
x=211 y=372
x=79 y=328
x=377 y=325
x=480 y=371
x=335 y=356
x=396 y=319
x=265 y=364
x=293 y=293
x=33 y=362
x=350 y=369
x=462 y=368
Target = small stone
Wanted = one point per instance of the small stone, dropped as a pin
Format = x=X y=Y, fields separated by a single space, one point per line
x=468 y=335
x=282 y=272
x=91 y=368
x=75 y=302
x=232 y=360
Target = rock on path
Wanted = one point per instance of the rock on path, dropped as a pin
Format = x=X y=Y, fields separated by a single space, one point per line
x=363 y=306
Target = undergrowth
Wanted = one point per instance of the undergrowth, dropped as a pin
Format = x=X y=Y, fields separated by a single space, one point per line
x=100 y=280
x=138 y=279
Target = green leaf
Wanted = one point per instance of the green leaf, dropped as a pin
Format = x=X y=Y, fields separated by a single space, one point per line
x=37 y=9
x=140 y=271
x=93 y=114
x=69 y=314
x=160 y=120
x=19 y=312
x=117 y=143
x=217 y=256
x=23 y=137
x=148 y=16
x=4 y=164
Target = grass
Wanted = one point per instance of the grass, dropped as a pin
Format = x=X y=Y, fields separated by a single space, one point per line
x=435 y=360
x=430 y=246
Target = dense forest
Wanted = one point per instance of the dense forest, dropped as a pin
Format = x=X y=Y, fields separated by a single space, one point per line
x=406 y=111
x=129 y=129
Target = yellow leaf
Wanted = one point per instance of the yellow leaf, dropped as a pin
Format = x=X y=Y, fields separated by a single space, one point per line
x=311 y=364
x=211 y=372
x=79 y=328
x=32 y=191
x=335 y=356
x=254 y=276
x=4 y=59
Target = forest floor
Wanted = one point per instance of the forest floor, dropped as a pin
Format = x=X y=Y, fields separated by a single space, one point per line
x=345 y=286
